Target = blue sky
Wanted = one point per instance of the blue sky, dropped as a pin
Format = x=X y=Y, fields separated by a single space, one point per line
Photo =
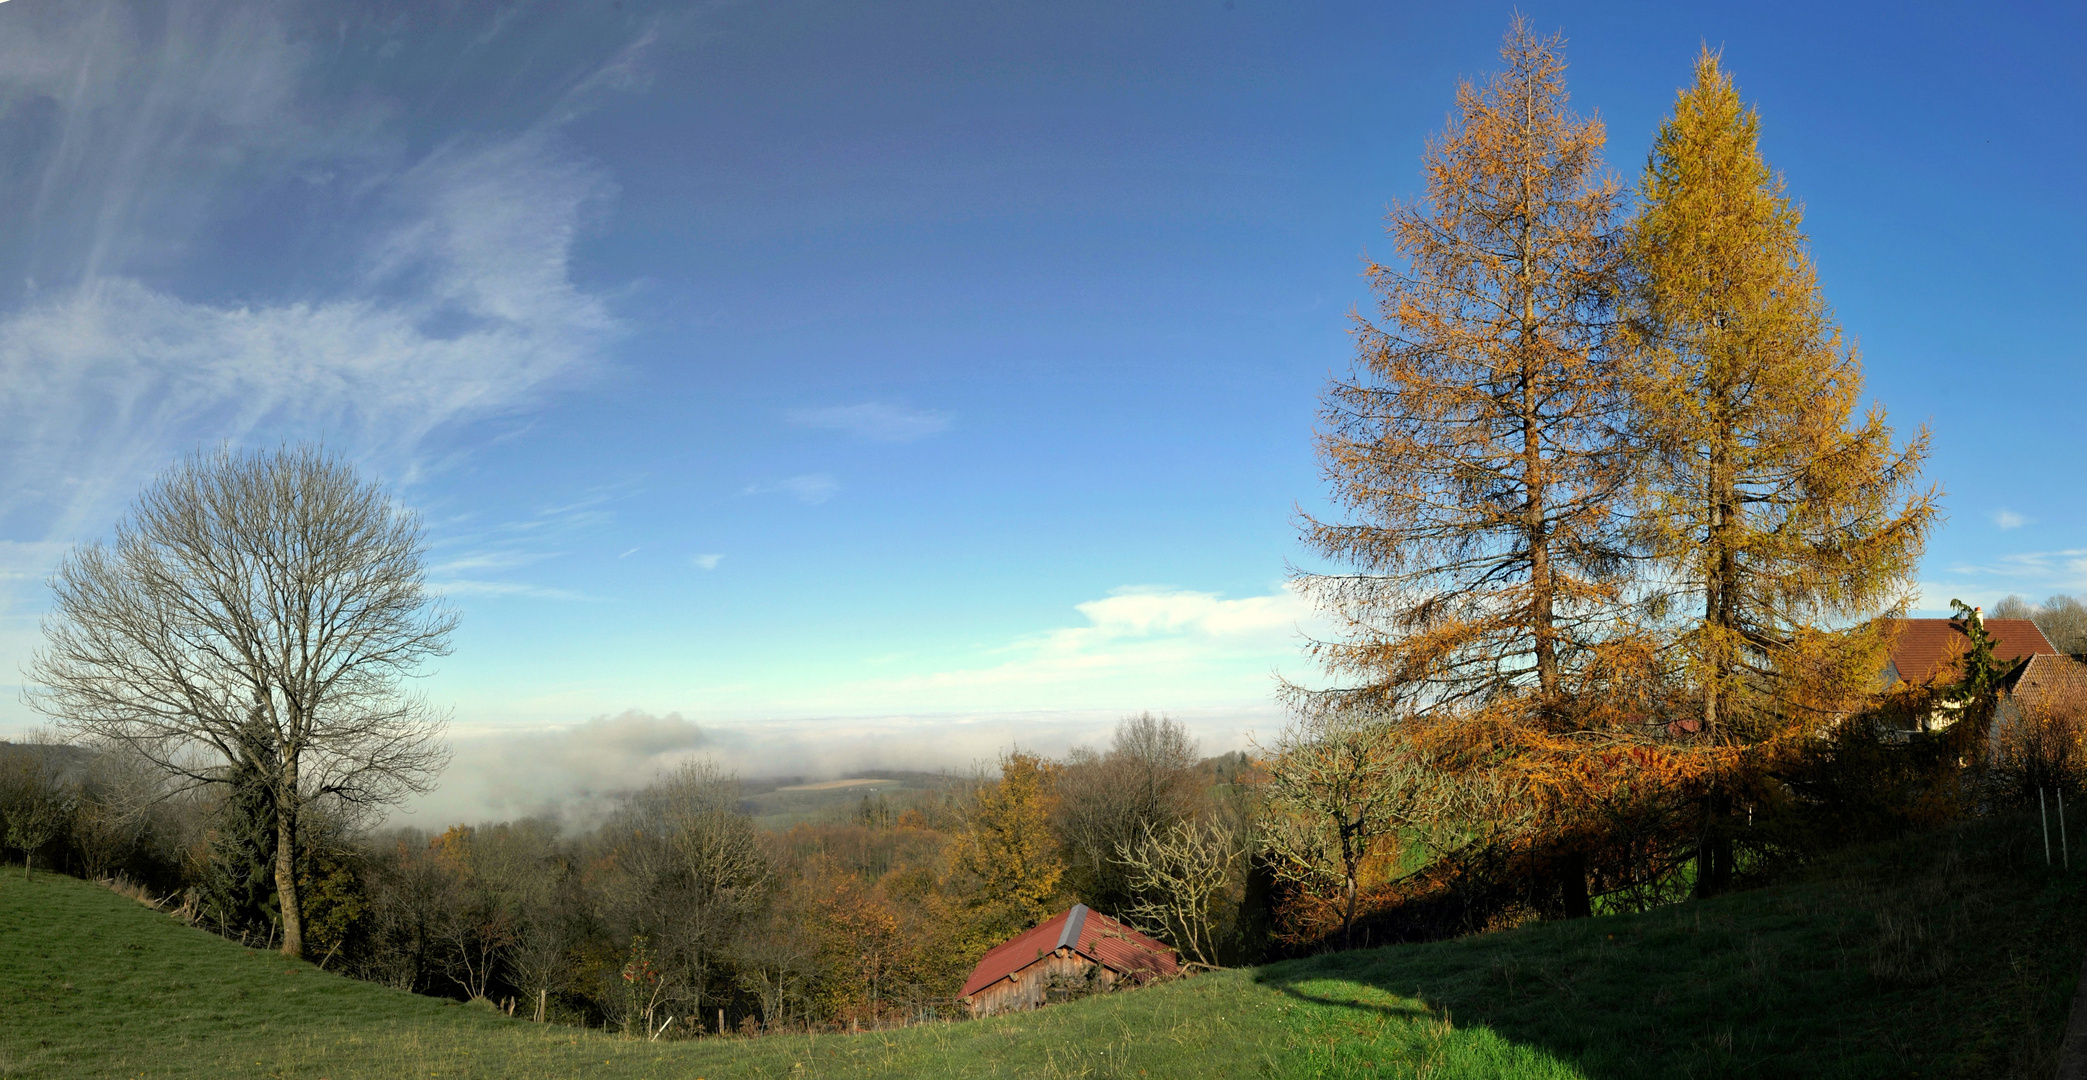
x=930 y=376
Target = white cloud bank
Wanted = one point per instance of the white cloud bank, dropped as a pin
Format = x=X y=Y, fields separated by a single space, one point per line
x=576 y=773
x=1137 y=648
x=1147 y=631
x=1200 y=656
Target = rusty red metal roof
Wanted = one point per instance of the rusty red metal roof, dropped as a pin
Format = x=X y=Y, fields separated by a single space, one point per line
x=1926 y=648
x=1087 y=932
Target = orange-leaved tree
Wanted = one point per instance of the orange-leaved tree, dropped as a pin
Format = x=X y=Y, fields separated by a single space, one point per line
x=1781 y=523
x=1475 y=447
x=1479 y=456
x=1004 y=864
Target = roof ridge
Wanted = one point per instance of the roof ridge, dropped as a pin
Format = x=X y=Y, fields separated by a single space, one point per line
x=1074 y=920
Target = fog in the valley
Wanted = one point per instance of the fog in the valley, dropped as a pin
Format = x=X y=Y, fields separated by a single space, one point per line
x=575 y=774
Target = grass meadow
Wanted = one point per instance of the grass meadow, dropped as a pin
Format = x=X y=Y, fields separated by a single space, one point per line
x=1953 y=954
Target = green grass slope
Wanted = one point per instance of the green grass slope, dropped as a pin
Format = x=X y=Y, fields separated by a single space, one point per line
x=1951 y=956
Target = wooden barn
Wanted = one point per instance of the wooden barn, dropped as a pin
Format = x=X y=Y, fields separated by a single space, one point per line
x=1076 y=950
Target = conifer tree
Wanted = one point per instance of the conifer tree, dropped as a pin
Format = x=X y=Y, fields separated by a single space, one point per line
x=1474 y=448
x=1778 y=518
x=239 y=878
x=1780 y=523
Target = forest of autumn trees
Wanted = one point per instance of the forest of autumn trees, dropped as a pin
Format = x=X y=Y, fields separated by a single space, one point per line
x=1609 y=551
x=679 y=905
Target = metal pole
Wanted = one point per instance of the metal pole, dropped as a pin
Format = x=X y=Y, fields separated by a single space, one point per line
x=2064 y=849
x=2044 y=811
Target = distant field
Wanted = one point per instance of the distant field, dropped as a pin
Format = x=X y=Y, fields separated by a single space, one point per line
x=836 y=785
x=1950 y=956
x=779 y=806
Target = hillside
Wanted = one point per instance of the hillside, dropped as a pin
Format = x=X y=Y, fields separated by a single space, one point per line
x=1951 y=955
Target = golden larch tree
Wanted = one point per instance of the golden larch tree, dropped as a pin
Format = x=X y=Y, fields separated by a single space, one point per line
x=1474 y=447
x=1780 y=523
x=1775 y=514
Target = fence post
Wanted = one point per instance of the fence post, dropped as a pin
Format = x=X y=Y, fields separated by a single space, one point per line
x=2064 y=848
x=2044 y=811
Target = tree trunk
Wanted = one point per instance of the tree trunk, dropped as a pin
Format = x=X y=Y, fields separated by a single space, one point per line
x=1348 y=919
x=286 y=864
x=1542 y=589
x=1721 y=590
x=1573 y=876
x=1714 y=848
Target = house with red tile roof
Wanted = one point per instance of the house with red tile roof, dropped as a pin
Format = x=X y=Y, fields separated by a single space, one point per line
x=1930 y=650
x=1077 y=949
x=2047 y=686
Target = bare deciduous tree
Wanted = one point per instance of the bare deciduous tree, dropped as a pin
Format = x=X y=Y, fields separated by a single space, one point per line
x=2039 y=736
x=36 y=801
x=1340 y=790
x=1180 y=875
x=265 y=609
x=113 y=817
x=2063 y=619
x=2012 y=607
x=691 y=874
x=1145 y=783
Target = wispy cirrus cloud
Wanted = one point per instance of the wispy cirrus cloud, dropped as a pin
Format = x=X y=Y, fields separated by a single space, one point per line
x=229 y=235
x=502 y=589
x=114 y=377
x=809 y=488
x=488 y=560
x=446 y=294
x=706 y=562
x=875 y=421
x=2008 y=519
x=2032 y=574
x=484 y=560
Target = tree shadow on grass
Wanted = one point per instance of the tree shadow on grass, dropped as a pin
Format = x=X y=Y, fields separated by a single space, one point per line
x=1543 y=1015
x=1402 y=1011
x=1407 y=1036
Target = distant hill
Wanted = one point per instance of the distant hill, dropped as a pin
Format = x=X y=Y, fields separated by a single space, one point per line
x=73 y=760
x=1952 y=954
